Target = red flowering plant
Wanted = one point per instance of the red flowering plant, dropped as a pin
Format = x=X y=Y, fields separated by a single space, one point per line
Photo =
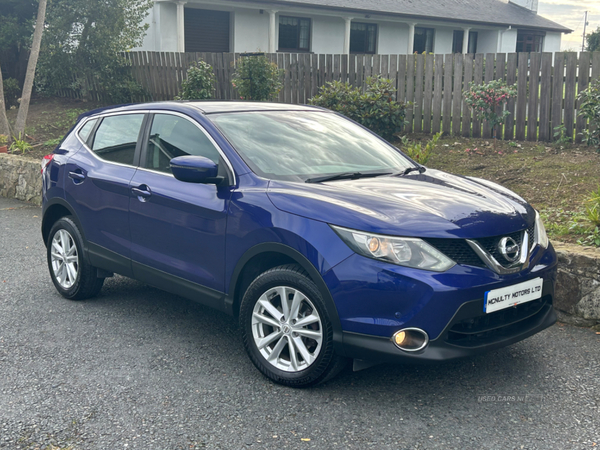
x=488 y=100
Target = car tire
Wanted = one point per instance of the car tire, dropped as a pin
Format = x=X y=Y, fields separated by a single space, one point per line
x=72 y=275
x=291 y=343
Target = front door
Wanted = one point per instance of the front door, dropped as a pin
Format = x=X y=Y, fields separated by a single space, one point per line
x=177 y=228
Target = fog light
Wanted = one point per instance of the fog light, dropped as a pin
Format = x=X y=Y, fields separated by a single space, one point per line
x=411 y=339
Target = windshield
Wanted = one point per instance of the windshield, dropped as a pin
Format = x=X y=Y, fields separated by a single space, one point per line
x=298 y=145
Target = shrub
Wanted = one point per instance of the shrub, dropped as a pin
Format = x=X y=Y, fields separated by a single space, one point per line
x=592 y=210
x=415 y=149
x=12 y=92
x=256 y=78
x=485 y=99
x=589 y=107
x=199 y=84
x=376 y=109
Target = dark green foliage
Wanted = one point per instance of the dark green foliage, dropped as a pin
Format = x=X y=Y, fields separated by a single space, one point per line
x=589 y=107
x=256 y=78
x=82 y=43
x=593 y=41
x=199 y=84
x=376 y=109
x=12 y=92
x=17 y=18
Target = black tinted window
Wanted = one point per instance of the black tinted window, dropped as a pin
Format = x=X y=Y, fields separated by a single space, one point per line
x=116 y=138
x=172 y=136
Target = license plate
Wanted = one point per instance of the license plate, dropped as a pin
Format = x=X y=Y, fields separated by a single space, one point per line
x=512 y=295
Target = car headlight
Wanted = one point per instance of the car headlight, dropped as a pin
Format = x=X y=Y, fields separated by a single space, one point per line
x=404 y=251
x=540 y=237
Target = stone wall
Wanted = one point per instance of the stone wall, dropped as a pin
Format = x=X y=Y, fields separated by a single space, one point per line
x=577 y=289
x=578 y=286
x=20 y=178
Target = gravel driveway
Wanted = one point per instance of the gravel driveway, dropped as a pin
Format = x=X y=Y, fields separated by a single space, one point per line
x=137 y=368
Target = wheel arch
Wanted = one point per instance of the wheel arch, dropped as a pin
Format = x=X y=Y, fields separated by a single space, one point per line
x=56 y=209
x=265 y=256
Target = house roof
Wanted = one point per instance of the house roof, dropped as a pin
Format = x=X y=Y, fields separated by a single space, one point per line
x=488 y=12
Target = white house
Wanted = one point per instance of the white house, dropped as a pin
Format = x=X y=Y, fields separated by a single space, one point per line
x=351 y=26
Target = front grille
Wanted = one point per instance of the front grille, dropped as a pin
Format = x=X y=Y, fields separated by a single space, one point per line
x=488 y=328
x=457 y=250
x=491 y=244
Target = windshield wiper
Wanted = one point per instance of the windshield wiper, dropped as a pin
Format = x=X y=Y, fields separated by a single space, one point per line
x=421 y=169
x=345 y=176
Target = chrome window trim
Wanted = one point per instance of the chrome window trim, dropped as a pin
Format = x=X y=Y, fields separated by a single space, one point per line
x=148 y=111
x=102 y=116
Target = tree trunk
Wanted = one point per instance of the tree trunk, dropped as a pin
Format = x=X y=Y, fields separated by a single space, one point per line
x=4 y=127
x=29 y=76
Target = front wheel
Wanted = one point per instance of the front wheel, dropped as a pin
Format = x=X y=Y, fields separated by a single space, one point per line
x=72 y=276
x=286 y=330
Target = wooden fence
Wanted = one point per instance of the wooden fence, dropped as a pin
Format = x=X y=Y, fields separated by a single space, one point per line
x=433 y=84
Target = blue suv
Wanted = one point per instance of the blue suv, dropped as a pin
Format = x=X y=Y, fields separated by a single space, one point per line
x=325 y=241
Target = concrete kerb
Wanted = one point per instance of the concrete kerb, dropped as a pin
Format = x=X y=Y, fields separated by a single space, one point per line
x=578 y=286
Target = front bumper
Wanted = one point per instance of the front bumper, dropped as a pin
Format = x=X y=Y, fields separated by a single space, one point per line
x=375 y=300
x=447 y=347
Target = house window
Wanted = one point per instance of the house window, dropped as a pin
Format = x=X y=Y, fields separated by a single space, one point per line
x=294 y=34
x=363 y=37
x=529 y=41
x=423 y=40
x=457 y=41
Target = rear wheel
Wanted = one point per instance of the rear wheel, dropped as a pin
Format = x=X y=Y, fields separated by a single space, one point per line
x=72 y=276
x=286 y=330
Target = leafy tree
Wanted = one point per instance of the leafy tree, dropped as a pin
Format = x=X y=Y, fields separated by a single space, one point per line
x=17 y=18
x=593 y=41
x=82 y=43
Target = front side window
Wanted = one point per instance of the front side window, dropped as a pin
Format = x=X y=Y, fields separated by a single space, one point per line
x=116 y=138
x=294 y=34
x=172 y=136
x=529 y=41
x=423 y=42
x=363 y=37
x=299 y=145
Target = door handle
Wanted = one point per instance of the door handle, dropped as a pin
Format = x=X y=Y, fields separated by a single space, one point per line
x=142 y=192
x=77 y=176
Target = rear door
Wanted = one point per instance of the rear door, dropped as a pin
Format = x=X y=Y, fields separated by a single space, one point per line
x=98 y=186
x=177 y=228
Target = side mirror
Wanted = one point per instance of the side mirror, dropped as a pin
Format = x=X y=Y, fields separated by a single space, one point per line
x=195 y=169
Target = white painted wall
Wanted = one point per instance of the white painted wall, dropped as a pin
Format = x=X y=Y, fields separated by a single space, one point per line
x=509 y=41
x=442 y=42
x=250 y=31
x=162 y=34
x=327 y=34
x=551 y=42
x=487 y=41
x=392 y=39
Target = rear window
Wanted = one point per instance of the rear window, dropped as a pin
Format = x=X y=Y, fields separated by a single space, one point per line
x=116 y=138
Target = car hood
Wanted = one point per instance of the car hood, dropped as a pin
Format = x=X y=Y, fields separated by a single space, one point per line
x=432 y=204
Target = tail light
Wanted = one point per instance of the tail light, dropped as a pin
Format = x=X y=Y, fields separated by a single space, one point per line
x=46 y=160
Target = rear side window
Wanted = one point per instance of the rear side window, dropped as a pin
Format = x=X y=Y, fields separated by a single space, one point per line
x=172 y=136
x=85 y=131
x=116 y=138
